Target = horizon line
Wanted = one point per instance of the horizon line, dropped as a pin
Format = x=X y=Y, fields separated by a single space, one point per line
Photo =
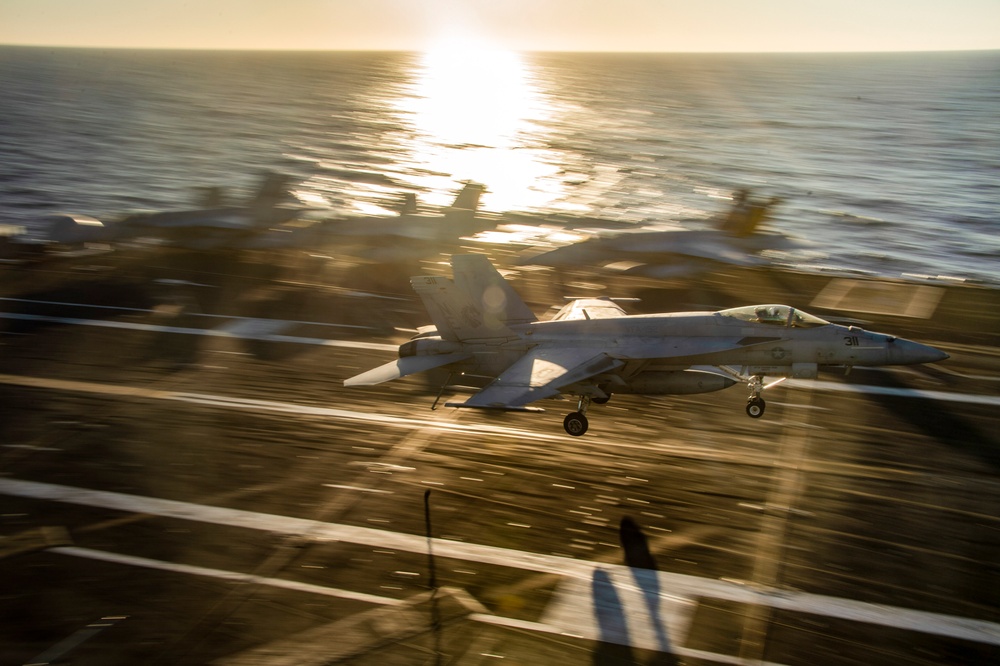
x=210 y=49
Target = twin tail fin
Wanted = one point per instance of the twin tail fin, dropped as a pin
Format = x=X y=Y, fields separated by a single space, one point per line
x=477 y=304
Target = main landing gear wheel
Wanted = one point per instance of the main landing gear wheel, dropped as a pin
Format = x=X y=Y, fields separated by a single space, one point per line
x=755 y=407
x=575 y=424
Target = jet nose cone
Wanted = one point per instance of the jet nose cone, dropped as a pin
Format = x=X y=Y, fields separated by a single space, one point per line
x=907 y=352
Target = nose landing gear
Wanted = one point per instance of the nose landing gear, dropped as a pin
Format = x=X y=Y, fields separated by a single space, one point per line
x=755 y=407
x=756 y=404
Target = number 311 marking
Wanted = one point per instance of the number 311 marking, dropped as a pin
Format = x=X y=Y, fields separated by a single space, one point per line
x=851 y=340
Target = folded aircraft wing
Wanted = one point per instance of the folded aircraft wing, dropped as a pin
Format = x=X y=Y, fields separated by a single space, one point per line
x=540 y=373
x=401 y=367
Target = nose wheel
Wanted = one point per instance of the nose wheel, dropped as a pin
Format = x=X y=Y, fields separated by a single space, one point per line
x=755 y=407
x=756 y=404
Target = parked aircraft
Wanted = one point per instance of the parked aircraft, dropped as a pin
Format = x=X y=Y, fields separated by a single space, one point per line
x=217 y=225
x=592 y=349
x=737 y=240
x=451 y=223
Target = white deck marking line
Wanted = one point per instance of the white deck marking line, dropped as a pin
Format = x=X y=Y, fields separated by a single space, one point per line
x=941 y=396
x=358 y=488
x=677 y=585
x=308 y=588
x=206 y=315
x=497 y=620
x=226 y=402
x=210 y=332
x=233 y=576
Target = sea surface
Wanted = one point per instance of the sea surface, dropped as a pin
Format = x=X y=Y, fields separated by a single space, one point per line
x=888 y=163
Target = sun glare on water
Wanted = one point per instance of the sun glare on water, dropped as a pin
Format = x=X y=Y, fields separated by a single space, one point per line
x=475 y=115
x=472 y=97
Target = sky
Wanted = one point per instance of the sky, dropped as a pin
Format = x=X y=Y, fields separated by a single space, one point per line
x=525 y=25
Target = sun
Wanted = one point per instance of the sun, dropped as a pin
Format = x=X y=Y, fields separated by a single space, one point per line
x=477 y=113
x=476 y=97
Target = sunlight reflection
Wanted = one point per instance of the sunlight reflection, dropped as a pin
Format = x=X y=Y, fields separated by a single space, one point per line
x=476 y=116
x=479 y=98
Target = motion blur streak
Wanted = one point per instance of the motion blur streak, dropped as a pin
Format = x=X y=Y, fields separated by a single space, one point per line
x=678 y=584
x=266 y=405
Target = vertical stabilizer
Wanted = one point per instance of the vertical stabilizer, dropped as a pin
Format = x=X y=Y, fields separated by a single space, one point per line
x=476 y=275
x=407 y=204
x=478 y=304
x=460 y=218
x=468 y=197
x=273 y=191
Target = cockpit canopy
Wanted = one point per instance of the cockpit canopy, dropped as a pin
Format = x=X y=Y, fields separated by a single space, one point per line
x=776 y=315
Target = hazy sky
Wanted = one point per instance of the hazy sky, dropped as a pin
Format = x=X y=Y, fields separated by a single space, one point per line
x=575 y=25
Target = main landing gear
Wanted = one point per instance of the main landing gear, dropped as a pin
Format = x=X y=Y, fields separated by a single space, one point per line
x=756 y=404
x=576 y=423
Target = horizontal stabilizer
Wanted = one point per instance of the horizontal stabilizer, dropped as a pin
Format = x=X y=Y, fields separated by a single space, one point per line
x=402 y=367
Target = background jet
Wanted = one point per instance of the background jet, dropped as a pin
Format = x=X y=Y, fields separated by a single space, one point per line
x=737 y=240
x=411 y=230
x=592 y=349
x=216 y=225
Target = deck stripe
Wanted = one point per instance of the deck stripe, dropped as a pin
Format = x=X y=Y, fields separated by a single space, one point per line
x=678 y=585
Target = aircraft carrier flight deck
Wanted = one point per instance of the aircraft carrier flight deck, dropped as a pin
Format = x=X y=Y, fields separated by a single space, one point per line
x=185 y=481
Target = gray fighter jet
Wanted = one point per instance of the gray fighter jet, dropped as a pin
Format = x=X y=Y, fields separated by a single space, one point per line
x=735 y=240
x=412 y=224
x=228 y=227
x=591 y=349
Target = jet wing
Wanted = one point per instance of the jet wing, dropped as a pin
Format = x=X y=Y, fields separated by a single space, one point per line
x=540 y=373
x=401 y=367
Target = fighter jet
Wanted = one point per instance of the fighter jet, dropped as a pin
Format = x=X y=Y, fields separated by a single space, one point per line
x=410 y=229
x=736 y=240
x=592 y=349
x=219 y=226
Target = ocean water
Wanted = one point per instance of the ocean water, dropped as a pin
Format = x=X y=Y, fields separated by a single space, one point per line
x=888 y=163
